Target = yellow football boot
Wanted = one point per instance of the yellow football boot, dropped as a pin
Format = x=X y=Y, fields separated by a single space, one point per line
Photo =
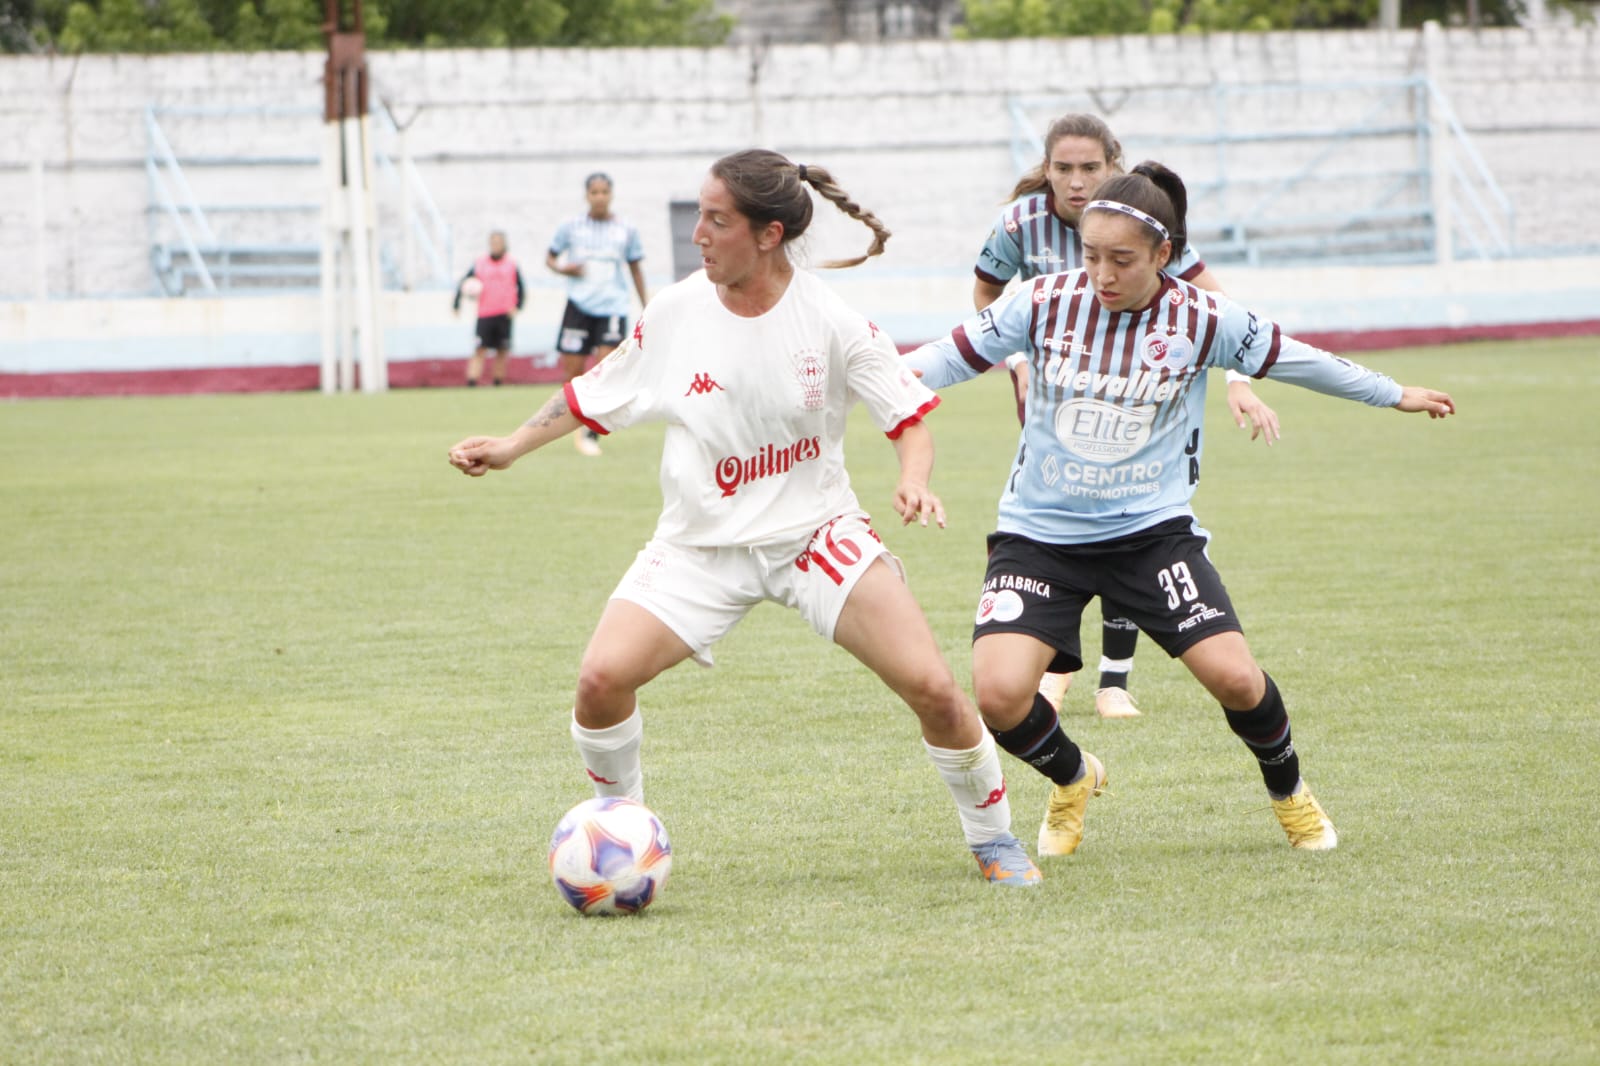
x=1062 y=829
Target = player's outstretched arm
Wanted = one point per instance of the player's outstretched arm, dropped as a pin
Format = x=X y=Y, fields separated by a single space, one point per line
x=913 y=500
x=1415 y=399
x=476 y=456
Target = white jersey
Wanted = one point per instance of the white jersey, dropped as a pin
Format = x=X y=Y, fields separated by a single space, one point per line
x=755 y=408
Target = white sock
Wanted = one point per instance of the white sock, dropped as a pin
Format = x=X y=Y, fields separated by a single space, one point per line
x=611 y=756
x=978 y=785
x=1115 y=666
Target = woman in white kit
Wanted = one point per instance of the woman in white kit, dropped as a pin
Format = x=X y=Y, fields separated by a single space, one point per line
x=754 y=365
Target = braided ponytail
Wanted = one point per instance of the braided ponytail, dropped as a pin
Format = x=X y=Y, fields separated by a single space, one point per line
x=766 y=187
x=822 y=181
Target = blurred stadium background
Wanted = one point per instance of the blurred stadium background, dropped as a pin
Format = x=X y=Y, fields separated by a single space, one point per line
x=160 y=215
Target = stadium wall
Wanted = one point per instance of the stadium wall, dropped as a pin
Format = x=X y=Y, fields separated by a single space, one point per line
x=97 y=347
x=917 y=130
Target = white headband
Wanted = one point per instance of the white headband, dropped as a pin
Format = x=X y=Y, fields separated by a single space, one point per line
x=1112 y=205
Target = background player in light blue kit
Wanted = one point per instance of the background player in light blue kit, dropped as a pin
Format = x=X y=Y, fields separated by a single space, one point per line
x=1037 y=233
x=1097 y=501
x=591 y=251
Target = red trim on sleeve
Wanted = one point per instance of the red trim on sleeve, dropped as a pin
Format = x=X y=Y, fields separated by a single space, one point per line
x=984 y=275
x=1272 y=352
x=913 y=418
x=1194 y=271
x=968 y=353
x=572 y=405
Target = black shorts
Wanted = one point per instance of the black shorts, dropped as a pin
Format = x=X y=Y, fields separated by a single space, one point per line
x=1159 y=577
x=495 y=332
x=582 y=333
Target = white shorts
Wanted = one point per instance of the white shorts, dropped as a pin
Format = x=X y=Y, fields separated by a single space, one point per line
x=701 y=593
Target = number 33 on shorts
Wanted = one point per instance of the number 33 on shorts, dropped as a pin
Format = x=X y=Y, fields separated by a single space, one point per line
x=1178 y=584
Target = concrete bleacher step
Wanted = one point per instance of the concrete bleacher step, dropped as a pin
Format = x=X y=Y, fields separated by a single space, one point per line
x=233 y=267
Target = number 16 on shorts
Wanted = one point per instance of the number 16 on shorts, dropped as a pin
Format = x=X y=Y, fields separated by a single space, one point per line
x=835 y=551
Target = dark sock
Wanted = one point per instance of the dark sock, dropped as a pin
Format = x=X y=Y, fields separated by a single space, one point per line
x=592 y=435
x=1118 y=639
x=498 y=382
x=1265 y=731
x=1039 y=742
x=472 y=383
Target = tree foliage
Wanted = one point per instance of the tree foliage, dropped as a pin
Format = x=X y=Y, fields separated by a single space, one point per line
x=1069 y=18
x=252 y=25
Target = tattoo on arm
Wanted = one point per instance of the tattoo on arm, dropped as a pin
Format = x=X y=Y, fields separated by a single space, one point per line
x=550 y=412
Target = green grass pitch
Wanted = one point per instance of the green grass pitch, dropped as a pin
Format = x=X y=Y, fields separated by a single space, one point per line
x=283 y=733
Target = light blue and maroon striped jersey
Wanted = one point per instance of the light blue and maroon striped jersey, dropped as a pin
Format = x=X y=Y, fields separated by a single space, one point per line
x=1111 y=443
x=604 y=247
x=1030 y=239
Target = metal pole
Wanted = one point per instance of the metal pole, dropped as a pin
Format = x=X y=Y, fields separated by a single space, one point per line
x=41 y=281
x=407 y=218
x=360 y=251
x=1438 y=145
x=332 y=209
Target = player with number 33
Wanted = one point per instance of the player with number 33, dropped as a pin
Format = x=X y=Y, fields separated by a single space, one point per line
x=1097 y=501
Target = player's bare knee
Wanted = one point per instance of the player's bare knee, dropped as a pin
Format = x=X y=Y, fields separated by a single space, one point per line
x=1001 y=699
x=937 y=700
x=1237 y=686
x=600 y=684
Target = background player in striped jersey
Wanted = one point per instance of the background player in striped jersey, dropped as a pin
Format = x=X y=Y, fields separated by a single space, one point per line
x=591 y=251
x=753 y=366
x=1037 y=233
x=499 y=299
x=1097 y=502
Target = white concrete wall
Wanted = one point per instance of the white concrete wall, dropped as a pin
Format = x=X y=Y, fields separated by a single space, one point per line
x=59 y=336
x=918 y=131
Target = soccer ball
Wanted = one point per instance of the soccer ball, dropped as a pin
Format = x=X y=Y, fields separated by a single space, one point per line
x=610 y=855
x=471 y=288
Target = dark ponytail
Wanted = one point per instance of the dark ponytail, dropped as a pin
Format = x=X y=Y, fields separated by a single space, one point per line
x=767 y=187
x=1159 y=193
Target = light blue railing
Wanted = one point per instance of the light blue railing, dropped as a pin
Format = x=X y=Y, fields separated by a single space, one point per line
x=423 y=226
x=197 y=246
x=171 y=195
x=1243 y=211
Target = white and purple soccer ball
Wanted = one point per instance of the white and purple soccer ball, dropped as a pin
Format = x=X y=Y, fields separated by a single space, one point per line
x=610 y=855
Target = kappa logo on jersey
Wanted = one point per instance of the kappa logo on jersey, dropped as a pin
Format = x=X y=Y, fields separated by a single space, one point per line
x=1002 y=606
x=812 y=373
x=1174 y=352
x=638 y=333
x=702 y=384
x=772 y=460
x=873 y=326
